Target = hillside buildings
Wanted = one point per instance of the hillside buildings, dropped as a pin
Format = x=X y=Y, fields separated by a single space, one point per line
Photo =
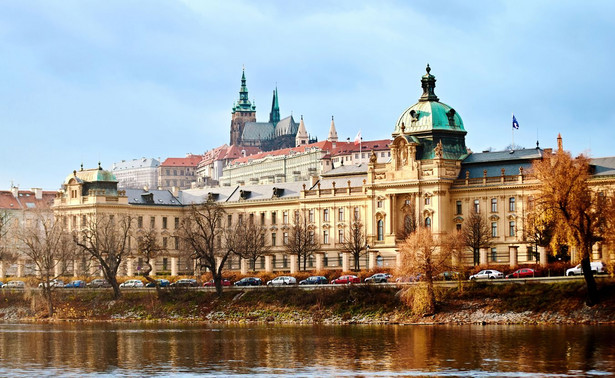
x=136 y=173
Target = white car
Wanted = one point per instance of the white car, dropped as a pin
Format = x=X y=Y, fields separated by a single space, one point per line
x=487 y=274
x=15 y=284
x=52 y=283
x=282 y=280
x=596 y=266
x=132 y=283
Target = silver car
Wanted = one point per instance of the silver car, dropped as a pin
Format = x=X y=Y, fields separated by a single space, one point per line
x=487 y=274
x=282 y=280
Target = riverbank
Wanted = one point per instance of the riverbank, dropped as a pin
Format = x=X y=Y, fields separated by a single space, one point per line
x=466 y=303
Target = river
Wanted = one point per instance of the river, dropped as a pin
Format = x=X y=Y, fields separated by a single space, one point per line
x=138 y=349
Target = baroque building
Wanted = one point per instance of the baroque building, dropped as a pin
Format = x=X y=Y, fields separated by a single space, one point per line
x=136 y=173
x=430 y=179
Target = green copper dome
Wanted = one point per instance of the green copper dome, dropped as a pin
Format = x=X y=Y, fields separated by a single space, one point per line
x=428 y=114
x=92 y=175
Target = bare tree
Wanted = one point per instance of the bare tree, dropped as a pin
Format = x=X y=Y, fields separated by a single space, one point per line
x=585 y=215
x=6 y=222
x=426 y=255
x=476 y=234
x=149 y=247
x=201 y=231
x=106 y=238
x=45 y=241
x=302 y=241
x=249 y=240
x=355 y=241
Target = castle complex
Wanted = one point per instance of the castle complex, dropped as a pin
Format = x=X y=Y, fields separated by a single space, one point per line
x=424 y=176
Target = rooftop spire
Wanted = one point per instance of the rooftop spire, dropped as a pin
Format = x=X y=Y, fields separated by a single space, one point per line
x=274 y=116
x=332 y=132
x=428 y=82
x=302 y=135
x=560 y=143
x=243 y=105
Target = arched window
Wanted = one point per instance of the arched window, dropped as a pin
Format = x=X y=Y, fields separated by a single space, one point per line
x=380 y=230
x=379 y=261
x=428 y=222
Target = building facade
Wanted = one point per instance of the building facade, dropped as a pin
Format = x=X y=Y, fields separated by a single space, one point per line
x=179 y=173
x=136 y=173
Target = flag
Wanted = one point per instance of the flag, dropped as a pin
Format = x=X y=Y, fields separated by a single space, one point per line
x=357 y=139
x=515 y=123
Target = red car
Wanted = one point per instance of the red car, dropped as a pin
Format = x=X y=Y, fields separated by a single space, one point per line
x=211 y=283
x=349 y=279
x=522 y=273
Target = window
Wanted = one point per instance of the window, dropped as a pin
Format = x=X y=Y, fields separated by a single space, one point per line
x=285 y=238
x=340 y=217
x=325 y=237
x=511 y=228
x=152 y=222
x=176 y=223
x=494 y=255
x=229 y=220
x=165 y=263
x=311 y=215
x=273 y=218
x=176 y=240
x=164 y=242
x=380 y=230
x=285 y=217
x=407 y=224
x=311 y=237
x=164 y=223
x=340 y=236
x=325 y=215
x=380 y=203
x=494 y=205
x=476 y=206
x=427 y=200
x=240 y=219
x=511 y=204
x=251 y=218
x=458 y=226
x=140 y=222
x=83 y=220
x=357 y=214
x=262 y=219
x=340 y=261
x=284 y=261
x=382 y=154
x=273 y=235
x=494 y=229
x=428 y=222
x=356 y=156
x=458 y=207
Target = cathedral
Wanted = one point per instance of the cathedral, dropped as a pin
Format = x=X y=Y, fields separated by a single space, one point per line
x=276 y=134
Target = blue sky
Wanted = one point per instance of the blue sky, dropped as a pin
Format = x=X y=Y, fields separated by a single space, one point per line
x=89 y=81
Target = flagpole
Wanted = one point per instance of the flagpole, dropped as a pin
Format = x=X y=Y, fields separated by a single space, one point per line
x=360 y=155
x=512 y=146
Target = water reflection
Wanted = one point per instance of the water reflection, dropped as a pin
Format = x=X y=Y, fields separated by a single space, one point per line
x=155 y=349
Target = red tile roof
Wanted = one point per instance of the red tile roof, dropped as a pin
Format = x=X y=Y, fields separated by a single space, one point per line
x=213 y=155
x=26 y=199
x=345 y=148
x=235 y=152
x=324 y=145
x=188 y=161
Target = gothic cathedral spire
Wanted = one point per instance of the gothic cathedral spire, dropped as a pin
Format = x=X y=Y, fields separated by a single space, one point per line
x=274 y=116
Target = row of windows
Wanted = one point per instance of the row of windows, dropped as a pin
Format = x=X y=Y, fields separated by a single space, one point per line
x=286 y=214
x=494 y=205
x=181 y=172
x=152 y=222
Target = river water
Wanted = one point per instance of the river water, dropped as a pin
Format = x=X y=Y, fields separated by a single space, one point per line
x=138 y=350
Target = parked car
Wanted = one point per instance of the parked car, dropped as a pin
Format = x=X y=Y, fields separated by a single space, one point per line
x=132 y=283
x=282 y=280
x=522 y=273
x=225 y=282
x=185 y=282
x=487 y=274
x=75 y=284
x=161 y=282
x=378 y=278
x=348 y=279
x=15 y=284
x=249 y=281
x=52 y=283
x=596 y=266
x=98 y=282
x=314 y=280
x=449 y=276
x=415 y=278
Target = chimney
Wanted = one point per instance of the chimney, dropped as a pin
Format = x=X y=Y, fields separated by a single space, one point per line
x=146 y=188
x=15 y=191
x=313 y=181
x=175 y=191
x=38 y=193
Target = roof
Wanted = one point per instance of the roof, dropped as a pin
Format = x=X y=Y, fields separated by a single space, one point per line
x=151 y=197
x=604 y=166
x=135 y=163
x=347 y=170
x=429 y=115
x=257 y=131
x=341 y=182
x=286 y=126
x=91 y=175
x=213 y=155
x=266 y=191
x=235 y=152
x=494 y=162
x=25 y=199
x=323 y=145
x=194 y=196
x=345 y=148
x=188 y=161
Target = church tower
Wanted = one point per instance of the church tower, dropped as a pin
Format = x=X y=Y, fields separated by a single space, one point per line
x=332 y=132
x=274 y=115
x=243 y=111
x=302 y=137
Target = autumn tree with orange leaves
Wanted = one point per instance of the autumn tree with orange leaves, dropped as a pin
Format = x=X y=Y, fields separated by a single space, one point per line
x=582 y=212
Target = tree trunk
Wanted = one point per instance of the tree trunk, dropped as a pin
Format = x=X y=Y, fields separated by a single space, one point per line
x=217 y=282
x=590 y=281
x=117 y=294
x=48 y=298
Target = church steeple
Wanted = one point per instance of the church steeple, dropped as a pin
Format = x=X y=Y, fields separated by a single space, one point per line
x=302 y=135
x=428 y=82
x=332 y=132
x=243 y=111
x=243 y=105
x=274 y=115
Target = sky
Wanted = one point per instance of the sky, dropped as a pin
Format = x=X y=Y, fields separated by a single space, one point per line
x=105 y=80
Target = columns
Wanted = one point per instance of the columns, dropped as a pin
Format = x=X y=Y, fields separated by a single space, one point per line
x=268 y=263
x=484 y=252
x=371 y=259
x=596 y=249
x=129 y=267
x=573 y=255
x=320 y=262
x=513 y=252
x=398 y=259
x=152 y=262
x=173 y=266
x=345 y=261
x=542 y=253
x=293 y=264
x=244 y=266
x=2 y=270
x=76 y=269
x=21 y=265
x=57 y=268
